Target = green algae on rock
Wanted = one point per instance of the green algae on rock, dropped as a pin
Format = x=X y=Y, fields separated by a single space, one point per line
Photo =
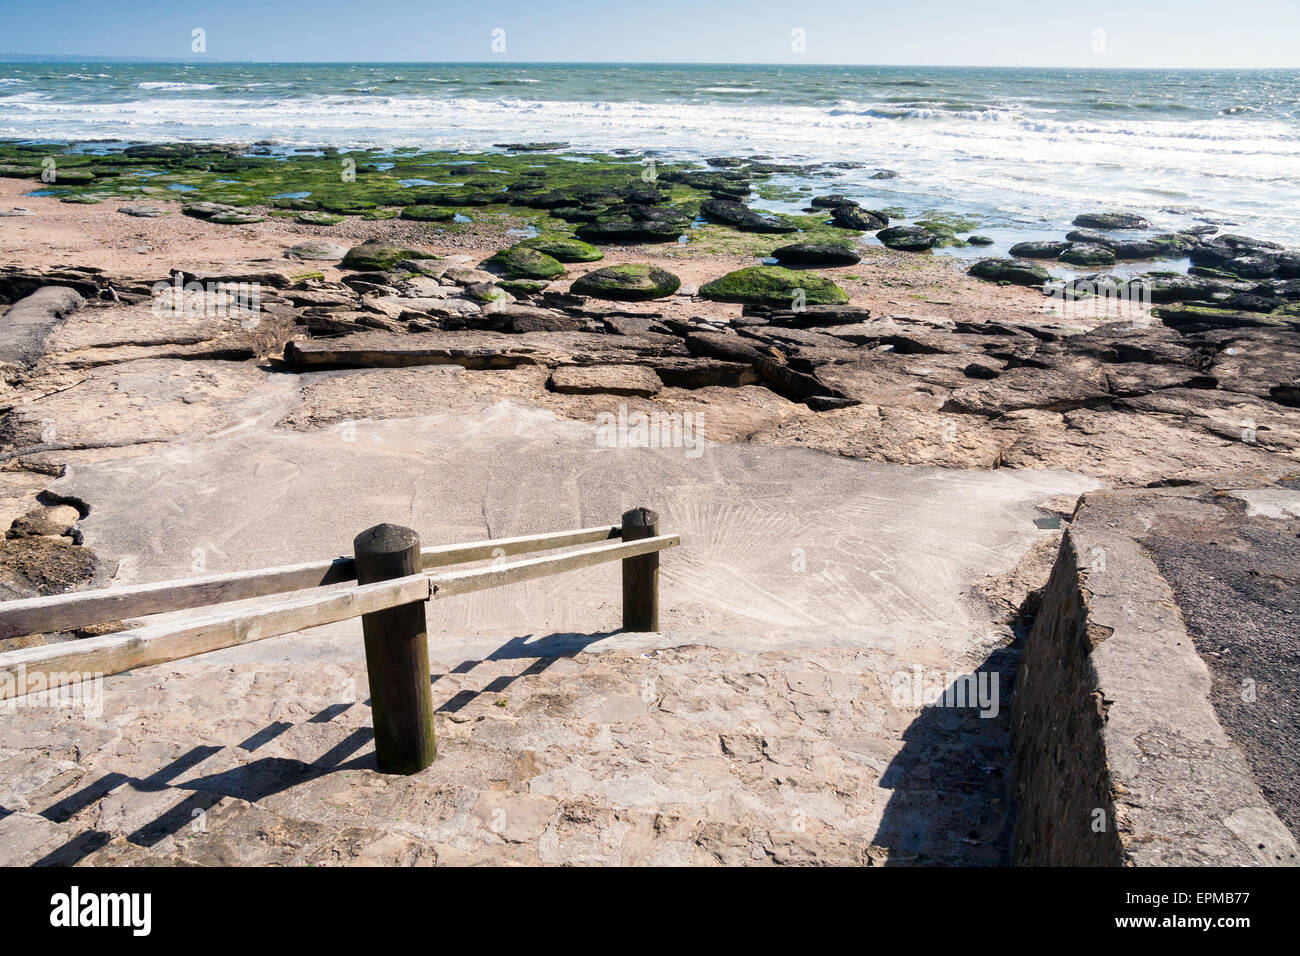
x=564 y=249
x=634 y=282
x=816 y=254
x=315 y=218
x=1012 y=271
x=773 y=285
x=428 y=214
x=520 y=262
x=377 y=255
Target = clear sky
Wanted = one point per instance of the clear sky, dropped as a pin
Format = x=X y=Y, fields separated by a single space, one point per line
x=1095 y=33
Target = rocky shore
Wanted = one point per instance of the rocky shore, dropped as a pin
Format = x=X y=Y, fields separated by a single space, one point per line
x=269 y=297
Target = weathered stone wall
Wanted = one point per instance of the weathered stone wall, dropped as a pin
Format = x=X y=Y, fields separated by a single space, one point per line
x=1119 y=757
x=1061 y=774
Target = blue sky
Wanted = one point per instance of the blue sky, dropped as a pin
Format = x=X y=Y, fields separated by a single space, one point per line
x=1098 y=33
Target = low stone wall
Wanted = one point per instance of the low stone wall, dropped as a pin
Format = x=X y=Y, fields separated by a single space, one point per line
x=1119 y=758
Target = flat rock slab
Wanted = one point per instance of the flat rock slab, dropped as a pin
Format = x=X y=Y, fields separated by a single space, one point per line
x=477 y=349
x=150 y=400
x=27 y=324
x=316 y=249
x=143 y=211
x=606 y=379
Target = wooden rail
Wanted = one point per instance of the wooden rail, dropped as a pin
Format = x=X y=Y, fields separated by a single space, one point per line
x=63 y=612
x=387 y=598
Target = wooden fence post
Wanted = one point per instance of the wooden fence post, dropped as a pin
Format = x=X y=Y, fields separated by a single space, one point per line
x=641 y=574
x=397 y=654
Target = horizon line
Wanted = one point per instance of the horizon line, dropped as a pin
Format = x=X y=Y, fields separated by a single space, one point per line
x=9 y=57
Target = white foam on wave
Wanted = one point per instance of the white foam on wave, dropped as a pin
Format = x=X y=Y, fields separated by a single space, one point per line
x=160 y=85
x=1019 y=159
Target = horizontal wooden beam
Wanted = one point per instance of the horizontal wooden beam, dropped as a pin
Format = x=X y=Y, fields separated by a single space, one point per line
x=39 y=668
x=62 y=612
x=443 y=555
x=480 y=579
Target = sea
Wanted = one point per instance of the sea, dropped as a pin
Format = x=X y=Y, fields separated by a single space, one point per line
x=1023 y=150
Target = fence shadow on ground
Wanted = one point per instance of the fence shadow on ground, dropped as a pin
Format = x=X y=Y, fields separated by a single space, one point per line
x=267 y=776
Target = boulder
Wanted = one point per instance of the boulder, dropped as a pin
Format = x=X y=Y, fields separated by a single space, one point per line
x=422 y=213
x=1129 y=249
x=316 y=218
x=737 y=214
x=864 y=220
x=1084 y=254
x=627 y=229
x=907 y=238
x=519 y=262
x=142 y=211
x=830 y=202
x=237 y=218
x=773 y=286
x=563 y=249
x=1090 y=236
x=634 y=282
x=1111 y=220
x=206 y=210
x=376 y=255
x=316 y=249
x=1174 y=245
x=1013 y=271
x=816 y=254
x=1038 y=249
x=637 y=380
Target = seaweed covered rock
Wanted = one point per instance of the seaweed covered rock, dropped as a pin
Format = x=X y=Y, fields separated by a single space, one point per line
x=634 y=282
x=237 y=218
x=1013 y=271
x=1086 y=254
x=379 y=255
x=907 y=238
x=1111 y=220
x=775 y=286
x=1038 y=249
x=316 y=218
x=864 y=220
x=563 y=249
x=737 y=214
x=423 y=213
x=628 y=229
x=833 y=201
x=519 y=262
x=206 y=210
x=816 y=254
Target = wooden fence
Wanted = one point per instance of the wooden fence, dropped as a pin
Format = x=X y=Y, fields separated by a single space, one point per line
x=393 y=583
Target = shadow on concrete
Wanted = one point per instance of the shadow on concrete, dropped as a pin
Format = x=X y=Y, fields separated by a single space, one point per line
x=267 y=776
x=950 y=803
x=546 y=650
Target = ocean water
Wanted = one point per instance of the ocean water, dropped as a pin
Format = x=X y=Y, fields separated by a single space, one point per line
x=1023 y=149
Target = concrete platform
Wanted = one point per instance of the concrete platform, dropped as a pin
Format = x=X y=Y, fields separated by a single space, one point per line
x=761 y=726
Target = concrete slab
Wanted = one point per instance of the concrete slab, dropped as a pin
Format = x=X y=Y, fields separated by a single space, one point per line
x=762 y=725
